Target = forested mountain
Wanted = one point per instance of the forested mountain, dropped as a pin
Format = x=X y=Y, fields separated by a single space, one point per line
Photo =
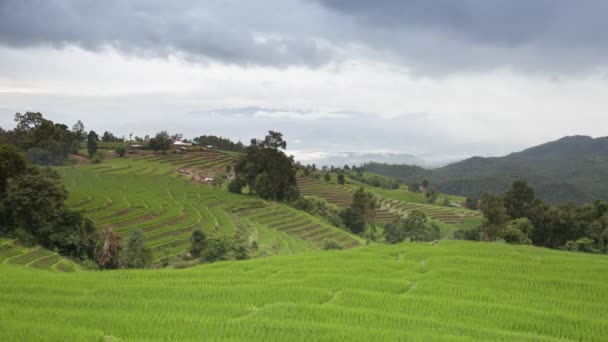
x=573 y=168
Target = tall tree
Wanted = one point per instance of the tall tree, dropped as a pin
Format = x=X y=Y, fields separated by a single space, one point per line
x=267 y=170
x=495 y=216
x=78 y=130
x=92 y=139
x=137 y=255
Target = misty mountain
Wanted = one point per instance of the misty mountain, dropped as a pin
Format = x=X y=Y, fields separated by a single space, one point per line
x=573 y=168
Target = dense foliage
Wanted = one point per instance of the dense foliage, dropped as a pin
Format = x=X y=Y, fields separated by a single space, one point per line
x=43 y=141
x=267 y=170
x=220 y=143
x=360 y=213
x=518 y=216
x=33 y=208
x=415 y=227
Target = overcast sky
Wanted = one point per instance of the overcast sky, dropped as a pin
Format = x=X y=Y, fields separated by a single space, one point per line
x=440 y=79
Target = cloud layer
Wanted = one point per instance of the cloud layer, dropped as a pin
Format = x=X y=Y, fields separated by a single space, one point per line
x=433 y=37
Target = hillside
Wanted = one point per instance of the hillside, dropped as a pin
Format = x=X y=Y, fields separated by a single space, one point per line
x=163 y=196
x=414 y=291
x=569 y=169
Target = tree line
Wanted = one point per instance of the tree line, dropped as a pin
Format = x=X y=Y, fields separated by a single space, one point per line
x=518 y=216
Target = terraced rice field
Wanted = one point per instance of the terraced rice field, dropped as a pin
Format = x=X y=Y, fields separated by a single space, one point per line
x=453 y=291
x=127 y=194
x=13 y=253
x=447 y=215
x=338 y=195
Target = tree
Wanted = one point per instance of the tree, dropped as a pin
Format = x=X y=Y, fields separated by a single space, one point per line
x=121 y=151
x=415 y=227
x=92 y=139
x=161 y=142
x=327 y=177
x=425 y=183
x=12 y=163
x=518 y=232
x=495 y=216
x=341 y=179
x=198 y=243
x=34 y=202
x=137 y=255
x=360 y=212
x=519 y=200
x=78 y=130
x=414 y=187
x=235 y=186
x=471 y=203
x=217 y=249
x=431 y=195
x=267 y=171
x=107 y=253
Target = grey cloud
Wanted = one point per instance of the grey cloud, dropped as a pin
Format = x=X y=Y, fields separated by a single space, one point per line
x=544 y=35
x=227 y=31
x=432 y=37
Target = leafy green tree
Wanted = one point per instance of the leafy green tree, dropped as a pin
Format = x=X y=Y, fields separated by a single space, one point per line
x=236 y=186
x=471 y=203
x=161 y=142
x=137 y=255
x=240 y=251
x=495 y=216
x=34 y=202
x=518 y=232
x=199 y=243
x=519 y=200
x=327 y=177
x=217 y=249
x=341 y=179
x=12 y=163
x=415 y=227
x=121 y=151
x=431 y=195
x=360 y=212
x=108 y=249
x=78 y=130
x=267 y=171
x=92 y=139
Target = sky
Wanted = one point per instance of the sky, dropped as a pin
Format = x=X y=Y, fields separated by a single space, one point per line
x=442 y=80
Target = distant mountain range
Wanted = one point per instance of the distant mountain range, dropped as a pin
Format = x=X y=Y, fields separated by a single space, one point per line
x=340 y=159
x=573 y=169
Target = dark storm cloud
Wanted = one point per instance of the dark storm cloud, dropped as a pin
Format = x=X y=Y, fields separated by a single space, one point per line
x=549 y=35
x=226 y=31
x=427 y=36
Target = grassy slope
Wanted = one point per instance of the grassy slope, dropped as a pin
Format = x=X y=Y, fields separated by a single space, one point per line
x=394 y=202
x=451 y=291
x=149 y=194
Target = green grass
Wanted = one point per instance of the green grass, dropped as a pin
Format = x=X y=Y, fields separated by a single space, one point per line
x=148 y=193
x=450 y=291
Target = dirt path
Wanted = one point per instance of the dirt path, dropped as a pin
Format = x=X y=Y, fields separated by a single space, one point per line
x=81 y=159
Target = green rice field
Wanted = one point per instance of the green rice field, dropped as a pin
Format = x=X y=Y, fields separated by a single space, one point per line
x=452 y=291
x=149 y=193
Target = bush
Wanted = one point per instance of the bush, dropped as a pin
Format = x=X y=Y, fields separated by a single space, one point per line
x=330 y=244
x=584 y=245
x=121 y=151
x=217 y=249
x=199 y=243
x=236 y=186
x=137 y=255
x=468 y=234
x=240 y=251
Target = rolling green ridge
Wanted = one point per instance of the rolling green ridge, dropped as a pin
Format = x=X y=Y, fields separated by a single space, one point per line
x=570 y=169
x=148 y=193
x=448 y=291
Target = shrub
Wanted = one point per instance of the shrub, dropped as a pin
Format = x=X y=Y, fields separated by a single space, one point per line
x=121 y=151
x=137 y=255
x=199 y=243
x=217 y=249
x=330 y=244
